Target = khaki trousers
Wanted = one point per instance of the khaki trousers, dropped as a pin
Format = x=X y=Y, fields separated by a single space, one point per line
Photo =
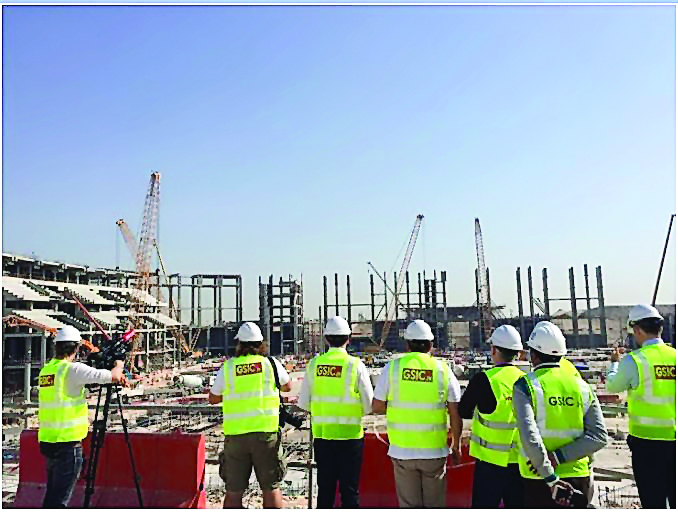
x=420 y=483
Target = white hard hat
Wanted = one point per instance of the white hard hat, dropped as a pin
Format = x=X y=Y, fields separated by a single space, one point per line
x=643 y=311
x=337 y=326
x=506 y=337
x=640 y=312
x=249 y=332
x=548 y=339
x=68 y=333
x=418 y=330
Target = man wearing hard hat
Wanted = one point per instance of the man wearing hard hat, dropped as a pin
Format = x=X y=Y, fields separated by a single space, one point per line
x=337 y=391
x=649 y=375
x=560 y=424
x=418 y=392
x=63 y=413
x=494 y=437
x=246 y=384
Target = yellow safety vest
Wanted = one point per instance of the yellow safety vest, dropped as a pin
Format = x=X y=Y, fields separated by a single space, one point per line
x=568 y=366
x=652 y=405
x=416 y=414
x=494 y=437
x=336 y=408
x=251 y=399
x=559 y=400
x=62 y=418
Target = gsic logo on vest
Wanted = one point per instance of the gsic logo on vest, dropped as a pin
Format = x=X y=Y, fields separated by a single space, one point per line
x=44 y=381
x=559 y=400
x=328 y=371
x=247 y=369
x=415 y=374
x=665 y=371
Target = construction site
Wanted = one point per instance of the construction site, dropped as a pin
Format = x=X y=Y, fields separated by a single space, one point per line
x=185 y=328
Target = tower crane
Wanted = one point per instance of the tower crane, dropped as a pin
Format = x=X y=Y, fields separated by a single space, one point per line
x=142 y=257
x=484 y=302
x=393 y=308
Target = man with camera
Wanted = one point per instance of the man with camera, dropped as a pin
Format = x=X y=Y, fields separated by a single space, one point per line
x=63 y=413
x=251 y=406
x=560 y=424
x=337 y=391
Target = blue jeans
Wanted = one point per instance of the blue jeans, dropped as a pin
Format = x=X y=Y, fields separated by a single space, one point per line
x=64 y=462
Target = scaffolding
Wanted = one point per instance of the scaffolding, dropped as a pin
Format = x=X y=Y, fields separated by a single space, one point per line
x=281 y=315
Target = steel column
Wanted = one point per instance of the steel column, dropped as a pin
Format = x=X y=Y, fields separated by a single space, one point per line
x=588 y=305
x=530 y=292
x=336 y=294
x=521 y=318
x=544 y=277
x=348 y=297
x=573 y=304
x=601 y=305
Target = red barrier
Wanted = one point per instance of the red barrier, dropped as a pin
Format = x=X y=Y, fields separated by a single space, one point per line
x=171 y=467
x=377 y=482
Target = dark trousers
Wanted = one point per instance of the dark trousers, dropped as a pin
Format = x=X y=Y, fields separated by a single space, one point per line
x=338 y=461
x=654 y=469
x=492 y=484
x=537 y=493
x=64 y=462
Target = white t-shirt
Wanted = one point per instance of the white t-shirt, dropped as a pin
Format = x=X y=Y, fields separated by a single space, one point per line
x=80 y=374
x=364 y=389
x=381 y=394
x=220 y=382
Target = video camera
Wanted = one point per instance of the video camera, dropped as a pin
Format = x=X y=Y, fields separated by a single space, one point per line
x=111 y=351
x=287 y=418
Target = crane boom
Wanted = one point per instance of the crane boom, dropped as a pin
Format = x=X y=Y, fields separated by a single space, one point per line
x=128 y=236
x=381 y=278
x=148 y=233
x=484 y=302
x=17 y=321
x=393 y=308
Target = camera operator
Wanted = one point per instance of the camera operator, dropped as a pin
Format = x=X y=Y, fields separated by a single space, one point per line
x=63 y=413
x=251 y=406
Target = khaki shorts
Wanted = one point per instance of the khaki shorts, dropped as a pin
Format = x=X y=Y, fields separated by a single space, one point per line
x=263 y=451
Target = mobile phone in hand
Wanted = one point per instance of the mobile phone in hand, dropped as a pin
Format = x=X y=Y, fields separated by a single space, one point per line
x=562 y=494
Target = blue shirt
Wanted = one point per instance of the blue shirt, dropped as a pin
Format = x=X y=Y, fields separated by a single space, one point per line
x=623 y=376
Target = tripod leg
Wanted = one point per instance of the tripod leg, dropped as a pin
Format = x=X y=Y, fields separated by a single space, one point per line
x=97 y=442
x=129 y=448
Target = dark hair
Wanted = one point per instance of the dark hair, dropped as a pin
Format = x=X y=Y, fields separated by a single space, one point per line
x=65 y=349
x=250 y=349
x=507 y=354
x=546 y=358
x=650 y=325
x=420 y=345
x=336 y=340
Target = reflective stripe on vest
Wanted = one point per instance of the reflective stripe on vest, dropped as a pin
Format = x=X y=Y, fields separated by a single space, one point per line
x=251 y=402
x=494 y=436
x=560 y=420
x=416 y=414
x=335 y=405
x=62 y=418
x=494 y=446
x=652 y=405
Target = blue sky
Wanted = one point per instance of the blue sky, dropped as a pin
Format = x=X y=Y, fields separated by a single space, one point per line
x=305 y=140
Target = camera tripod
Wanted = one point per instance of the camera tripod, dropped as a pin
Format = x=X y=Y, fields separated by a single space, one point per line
x=97 y=442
